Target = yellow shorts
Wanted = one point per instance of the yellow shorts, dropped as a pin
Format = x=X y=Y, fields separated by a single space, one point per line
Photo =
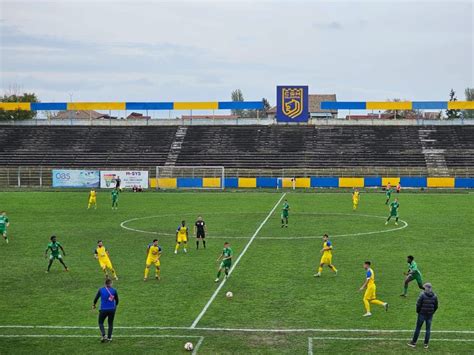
x=105 y=264
x=355 y=202
x=155 y=262
x=370 y=293
x=182 y=239
x=92 y=200
x=326 y=259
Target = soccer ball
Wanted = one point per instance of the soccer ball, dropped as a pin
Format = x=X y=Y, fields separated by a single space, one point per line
x=229 y=294
x=189 y=346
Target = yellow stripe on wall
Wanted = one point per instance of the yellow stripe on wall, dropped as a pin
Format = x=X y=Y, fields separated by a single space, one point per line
x=196 y=105
x=96 y=105
x=461 y=105
x=247 y=182
x=440 y=182
x=392 y=180
x=303 y=182
x=286 y=183
x=384 y=105
x=351 y=182
x=211 y=182
x=12 y=106
x=167 y=183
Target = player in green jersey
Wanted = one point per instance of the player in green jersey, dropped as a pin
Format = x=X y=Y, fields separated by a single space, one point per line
x=115 y=196
x=285 y=212
x=393 y=211
x=226 y=261
x=54 y=247
x=388 y=193
x=412 y=274
x=4 y=223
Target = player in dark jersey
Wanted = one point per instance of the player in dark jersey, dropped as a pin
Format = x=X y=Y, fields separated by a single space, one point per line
x=200 y=230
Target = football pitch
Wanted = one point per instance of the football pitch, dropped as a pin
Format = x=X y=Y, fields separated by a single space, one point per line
x=277 y=307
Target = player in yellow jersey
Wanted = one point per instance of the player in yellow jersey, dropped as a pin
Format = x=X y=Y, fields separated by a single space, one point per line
x=181 y=237
x=326 y=259
x=355 y=199
x=370 y=290
x=92 y=199
x=102 y=255
x=153 y=254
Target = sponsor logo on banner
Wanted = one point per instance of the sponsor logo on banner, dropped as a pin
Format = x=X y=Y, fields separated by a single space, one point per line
x=76 y=178
x=292 y=104
x=128 y=178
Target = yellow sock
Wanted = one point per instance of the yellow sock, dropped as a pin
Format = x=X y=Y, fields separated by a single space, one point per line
x=176 y=247
x=333 y=268
x=367 y=305
x=158 y=272
x=147 y=270
x=380 y=303
x=113 y=272
x=185 y=246
x=320 y=269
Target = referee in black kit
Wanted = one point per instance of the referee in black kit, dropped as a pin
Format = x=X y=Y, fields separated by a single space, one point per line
x=200 y=230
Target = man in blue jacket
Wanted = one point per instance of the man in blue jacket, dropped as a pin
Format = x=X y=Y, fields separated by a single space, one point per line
x=109 y=301
x=426 y=306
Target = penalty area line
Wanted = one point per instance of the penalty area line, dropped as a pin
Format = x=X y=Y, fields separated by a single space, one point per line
x=214 y=295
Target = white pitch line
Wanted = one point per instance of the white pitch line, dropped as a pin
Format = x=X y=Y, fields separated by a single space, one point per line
x=388 y=339
x=250 y=330
x=97 y=336
x=310 y=346
x=214 y=295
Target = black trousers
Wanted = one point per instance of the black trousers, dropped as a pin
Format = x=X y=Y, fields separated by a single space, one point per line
x=110 y=315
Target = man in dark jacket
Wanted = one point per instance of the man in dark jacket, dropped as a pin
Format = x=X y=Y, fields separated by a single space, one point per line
x=109 y=301
x=426 y=306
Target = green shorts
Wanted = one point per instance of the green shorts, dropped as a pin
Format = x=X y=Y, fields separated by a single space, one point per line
x=3 y=231
x=393 y=213
x=226 y=264
x=284 y=215
x=57 y=256
x=417 y=277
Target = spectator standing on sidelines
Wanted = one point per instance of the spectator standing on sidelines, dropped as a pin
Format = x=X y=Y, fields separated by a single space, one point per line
x=426 y=307
x=109 y=301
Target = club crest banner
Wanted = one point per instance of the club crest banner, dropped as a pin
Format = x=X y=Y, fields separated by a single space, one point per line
x=292 y=104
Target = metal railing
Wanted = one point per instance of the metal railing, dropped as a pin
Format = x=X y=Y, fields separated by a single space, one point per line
x=41 y=176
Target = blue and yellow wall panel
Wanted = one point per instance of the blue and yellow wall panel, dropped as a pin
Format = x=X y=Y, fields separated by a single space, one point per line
x=461 y=105
x=392 y=180
x=303 y=182
x=267 y=182
x=189 y=183
x=211 y=182
x=195 y=105
x=96 y=106
x=324 y=181
x=413 y=181
x=386 y=105
x=372 y=181
x=13 y=106
x=466 y=183
x=167 y=183
x=231 y=182
x=247 y=182
x=351 y=182
x=440 y=182
x=287 y=183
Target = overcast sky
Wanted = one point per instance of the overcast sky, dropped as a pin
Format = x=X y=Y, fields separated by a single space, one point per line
x=202 y=50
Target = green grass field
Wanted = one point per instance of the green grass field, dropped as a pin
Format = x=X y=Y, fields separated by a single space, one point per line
x=273 y=283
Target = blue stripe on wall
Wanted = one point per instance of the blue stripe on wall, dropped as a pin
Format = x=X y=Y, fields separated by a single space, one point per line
x=409 y=181
x=266 y=182
x=464 y=182
x=372 y=181
x=38 y=106
x=244 y=105
x=148 y=105
x=231 y=182
x=430 y=105
x=189 y=182
x=328 y=181
x=343 y=105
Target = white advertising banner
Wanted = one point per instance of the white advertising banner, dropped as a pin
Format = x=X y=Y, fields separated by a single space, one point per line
x=128 y=179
